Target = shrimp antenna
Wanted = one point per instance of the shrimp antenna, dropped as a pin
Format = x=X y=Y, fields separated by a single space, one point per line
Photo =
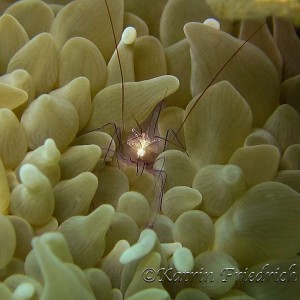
x=217 y=74
x=119 y=60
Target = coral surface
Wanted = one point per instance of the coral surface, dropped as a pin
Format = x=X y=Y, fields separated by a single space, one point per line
x=147 y=151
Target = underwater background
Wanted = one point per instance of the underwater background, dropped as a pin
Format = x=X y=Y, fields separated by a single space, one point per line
x=149 y=149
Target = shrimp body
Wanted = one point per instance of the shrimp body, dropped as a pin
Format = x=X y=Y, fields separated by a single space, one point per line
x=143 y=147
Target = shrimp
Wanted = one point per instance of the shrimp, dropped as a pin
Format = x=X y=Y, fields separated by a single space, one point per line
x=142 y=146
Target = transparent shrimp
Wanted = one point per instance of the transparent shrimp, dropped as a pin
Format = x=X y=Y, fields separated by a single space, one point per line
x=143 y=147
